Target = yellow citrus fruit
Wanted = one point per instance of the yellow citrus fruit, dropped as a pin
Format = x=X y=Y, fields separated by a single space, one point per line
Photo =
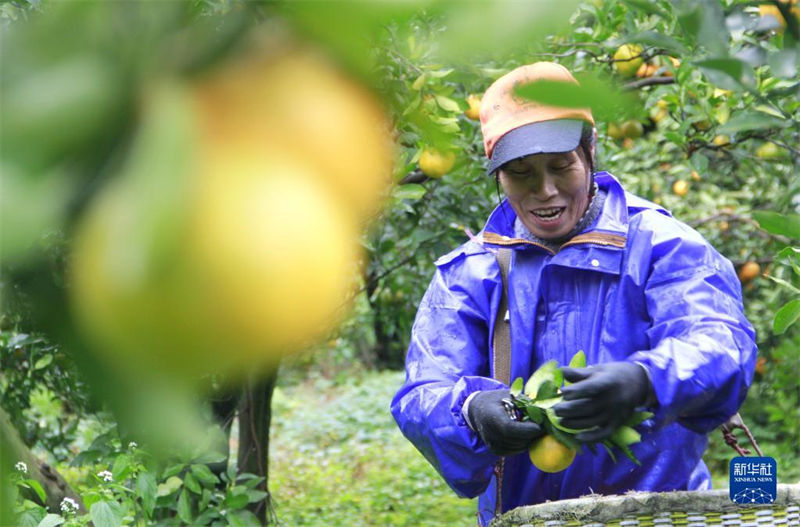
x=258 y=268
x=230 y=237
x=749 y=271
x=646 y=70
x=300 y=102
x=769 y=151
x=615 y=131
x=548 y=454
x=627 y=59
x=474 y=110
x=632 y=129
x=435 y=164
x=721 y=140
x=680 y=187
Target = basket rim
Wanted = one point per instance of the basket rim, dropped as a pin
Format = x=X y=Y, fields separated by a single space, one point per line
x=599 y=508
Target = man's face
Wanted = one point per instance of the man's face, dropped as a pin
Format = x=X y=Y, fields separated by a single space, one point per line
x=549 y=192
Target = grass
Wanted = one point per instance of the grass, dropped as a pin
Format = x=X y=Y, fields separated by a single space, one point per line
x=338 y=458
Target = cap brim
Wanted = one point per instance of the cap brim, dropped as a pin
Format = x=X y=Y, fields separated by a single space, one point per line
x=545 y=137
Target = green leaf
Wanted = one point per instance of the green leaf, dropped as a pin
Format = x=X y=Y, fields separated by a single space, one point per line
x=556 y=422
x=185 y=507
x=548 y=403
x=608 y=445
x=173 y=470
x=204 y=474
x=411 y=191
x=516 y=386
x=751 y=120
x=51 y=520
x=43 y=362
x=146 y=489
x=638 y=418
x=563 y=437
x=594 y=93
x=254 y=496
x=243 y=519
x=106 y=514
x=786 y=316
x=625 y=435
x=783 y=63
x=578 y=360
x=792 y=254
x=122 y=467
x=549 y=389
x=784 y=283
x=37 y=488
x=30 y=517
x=660 y=40
x=439 y=74
x=420 y=82
x=727 y=72
x=172 y=484
x=545 y=372
x=447 y=104
x=191 y=483
x=535 y=414
x=236 y=498
x=783 y=224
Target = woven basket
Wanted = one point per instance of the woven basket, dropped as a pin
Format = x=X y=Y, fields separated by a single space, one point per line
x=657 y=509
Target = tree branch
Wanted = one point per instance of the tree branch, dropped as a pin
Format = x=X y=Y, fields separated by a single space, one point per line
x=650 y=81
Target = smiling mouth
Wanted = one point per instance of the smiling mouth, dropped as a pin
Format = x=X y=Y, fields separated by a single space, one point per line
x=549 y=214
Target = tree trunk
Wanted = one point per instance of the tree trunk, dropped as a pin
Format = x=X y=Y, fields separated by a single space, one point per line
x=255 y=413
x=13 y=450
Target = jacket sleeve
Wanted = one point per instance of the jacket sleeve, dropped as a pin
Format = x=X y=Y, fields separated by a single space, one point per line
x=703 y=349
x=447 y=360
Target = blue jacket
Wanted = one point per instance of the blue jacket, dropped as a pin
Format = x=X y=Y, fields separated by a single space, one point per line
x=637 y=285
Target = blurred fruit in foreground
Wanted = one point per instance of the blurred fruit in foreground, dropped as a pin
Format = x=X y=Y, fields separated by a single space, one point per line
x=435 y=164
x=548 y=454
x=680 y=187
x=771 y=10
x=301 y=103
x=230 y=238
x=627 y=59
x=749 y=271
x=474 y=110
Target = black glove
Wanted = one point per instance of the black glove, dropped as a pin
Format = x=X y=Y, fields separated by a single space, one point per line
x=604 y=395
x=501 y=433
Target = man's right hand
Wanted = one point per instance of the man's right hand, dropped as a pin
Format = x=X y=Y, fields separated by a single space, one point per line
x=502 y=434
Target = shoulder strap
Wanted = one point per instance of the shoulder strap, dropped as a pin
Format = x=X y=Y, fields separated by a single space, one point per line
x=501 y=343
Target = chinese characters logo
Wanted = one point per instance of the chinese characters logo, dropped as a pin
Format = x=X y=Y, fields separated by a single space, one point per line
x=753 y=480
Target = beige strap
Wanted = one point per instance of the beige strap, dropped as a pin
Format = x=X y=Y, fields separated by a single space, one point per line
x=501 y=343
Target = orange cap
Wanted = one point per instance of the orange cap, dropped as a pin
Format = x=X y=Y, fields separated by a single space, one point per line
x=502 y=112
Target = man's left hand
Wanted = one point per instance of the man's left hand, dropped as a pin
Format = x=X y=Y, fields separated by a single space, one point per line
x=603 y=396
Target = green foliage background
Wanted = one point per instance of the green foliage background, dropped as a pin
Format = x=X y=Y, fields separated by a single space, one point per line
x=726 y=121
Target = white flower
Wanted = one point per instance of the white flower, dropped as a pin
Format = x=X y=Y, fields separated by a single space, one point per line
x=105 y=475
x=21 y=467
x=132 y=445
x=69 y=506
